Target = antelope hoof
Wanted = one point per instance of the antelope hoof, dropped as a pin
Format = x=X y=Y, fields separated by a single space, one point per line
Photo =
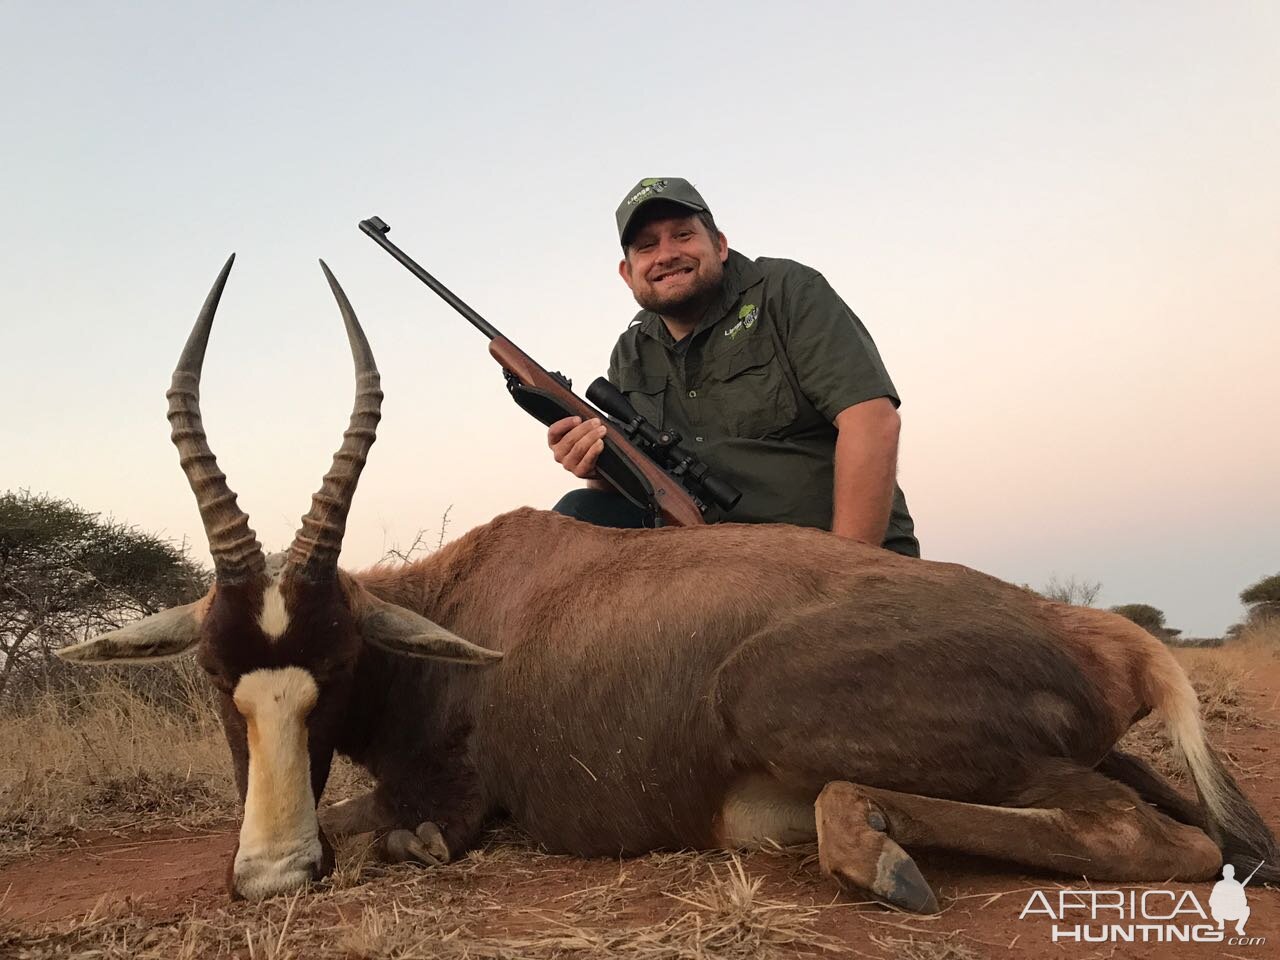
x=857 y=852
x=424 y=845
x=896 y=881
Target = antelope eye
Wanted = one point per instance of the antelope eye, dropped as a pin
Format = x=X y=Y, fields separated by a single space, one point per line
x=220 y=680
x=324 y=676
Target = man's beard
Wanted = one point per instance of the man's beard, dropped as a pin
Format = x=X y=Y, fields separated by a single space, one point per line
x=689 y=304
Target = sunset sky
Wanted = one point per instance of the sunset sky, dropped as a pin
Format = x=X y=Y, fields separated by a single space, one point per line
x=1061 y=223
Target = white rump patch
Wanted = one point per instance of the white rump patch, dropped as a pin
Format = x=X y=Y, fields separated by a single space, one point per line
x=280 y=836
x=759 y=808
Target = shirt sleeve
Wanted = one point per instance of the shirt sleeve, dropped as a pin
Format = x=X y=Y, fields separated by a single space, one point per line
x=835 y=360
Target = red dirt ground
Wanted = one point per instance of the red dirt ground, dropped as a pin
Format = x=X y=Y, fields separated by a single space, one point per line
x=154 y=872
x=168 y=876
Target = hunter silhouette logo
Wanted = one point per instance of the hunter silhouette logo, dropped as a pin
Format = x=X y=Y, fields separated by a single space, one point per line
x=1228 y=900
x=647 y=189
x=746 y=320
x=1147 y=916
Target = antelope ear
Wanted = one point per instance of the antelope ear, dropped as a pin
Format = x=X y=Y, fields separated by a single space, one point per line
x=160 y=636
x=398 y=630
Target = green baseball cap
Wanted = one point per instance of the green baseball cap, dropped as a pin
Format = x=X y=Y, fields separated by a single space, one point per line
x=671 y=189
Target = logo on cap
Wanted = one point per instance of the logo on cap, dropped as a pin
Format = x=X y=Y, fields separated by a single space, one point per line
x=647 y=189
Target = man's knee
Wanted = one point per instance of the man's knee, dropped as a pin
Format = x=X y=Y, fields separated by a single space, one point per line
x=603 y=508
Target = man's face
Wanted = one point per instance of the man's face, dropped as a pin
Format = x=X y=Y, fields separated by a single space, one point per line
x=673 y=264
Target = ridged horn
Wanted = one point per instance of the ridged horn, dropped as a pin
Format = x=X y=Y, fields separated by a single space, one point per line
x=237 y=555
x=319 y=540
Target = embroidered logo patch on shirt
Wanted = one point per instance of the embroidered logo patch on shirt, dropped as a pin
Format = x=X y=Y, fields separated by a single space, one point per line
x=746 y=320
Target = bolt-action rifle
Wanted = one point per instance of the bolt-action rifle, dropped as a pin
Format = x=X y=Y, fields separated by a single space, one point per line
x=646 y=465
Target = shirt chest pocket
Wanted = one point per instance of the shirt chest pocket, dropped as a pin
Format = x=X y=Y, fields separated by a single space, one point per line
x=751 y=394
x=645 y=393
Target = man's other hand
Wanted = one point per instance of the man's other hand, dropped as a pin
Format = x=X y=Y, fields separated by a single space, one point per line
x=576 y=445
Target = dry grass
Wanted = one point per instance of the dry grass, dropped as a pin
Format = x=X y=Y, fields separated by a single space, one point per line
x=952 y=947
x=103 y=756
x=497 y=903
x=1261 y=638
x=722 y=915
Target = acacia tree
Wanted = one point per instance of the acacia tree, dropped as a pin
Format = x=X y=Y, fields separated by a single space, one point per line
x=66 y=573
x=1149 y=618
x=1262 y=599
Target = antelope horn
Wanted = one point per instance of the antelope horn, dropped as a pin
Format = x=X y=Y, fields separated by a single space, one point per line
x=319 y=540
x=237 y=555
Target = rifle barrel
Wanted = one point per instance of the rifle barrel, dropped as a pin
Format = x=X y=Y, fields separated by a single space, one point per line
x=376 y=228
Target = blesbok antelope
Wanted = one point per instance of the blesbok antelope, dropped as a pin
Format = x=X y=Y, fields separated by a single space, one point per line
x=682 y=687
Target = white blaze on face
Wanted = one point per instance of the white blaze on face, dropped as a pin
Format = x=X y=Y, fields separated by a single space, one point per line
x=280 y=837
x=274 y=618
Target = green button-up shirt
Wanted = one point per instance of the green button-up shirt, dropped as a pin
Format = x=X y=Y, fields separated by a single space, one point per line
x=754 y=390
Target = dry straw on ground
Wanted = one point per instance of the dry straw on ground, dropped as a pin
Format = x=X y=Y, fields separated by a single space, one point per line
x=103 y=755
x=708 y=907
x=106 y=755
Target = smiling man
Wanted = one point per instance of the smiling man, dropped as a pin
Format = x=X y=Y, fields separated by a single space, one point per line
x=766 y=373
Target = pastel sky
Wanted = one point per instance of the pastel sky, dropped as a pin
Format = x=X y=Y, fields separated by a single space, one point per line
x=1060 y=221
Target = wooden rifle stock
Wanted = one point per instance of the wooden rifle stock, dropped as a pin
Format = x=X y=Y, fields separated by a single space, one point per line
x=670 y=499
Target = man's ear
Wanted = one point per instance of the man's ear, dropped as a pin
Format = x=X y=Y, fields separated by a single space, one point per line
x=624 y=270
x=723 y=247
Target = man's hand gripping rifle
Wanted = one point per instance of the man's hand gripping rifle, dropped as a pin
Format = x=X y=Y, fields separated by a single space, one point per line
x=636 y=456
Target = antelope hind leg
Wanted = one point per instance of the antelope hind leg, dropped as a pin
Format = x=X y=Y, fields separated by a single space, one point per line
x=1067 y=818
